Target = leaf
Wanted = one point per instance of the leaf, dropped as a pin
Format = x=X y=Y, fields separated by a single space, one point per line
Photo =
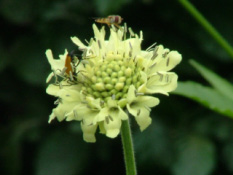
x=62 y=153
x=105 y=7
x=206 y=96
x=196 y=157
x=158 y=147
x=17 y=11
x=228 y=155
x=220 y=84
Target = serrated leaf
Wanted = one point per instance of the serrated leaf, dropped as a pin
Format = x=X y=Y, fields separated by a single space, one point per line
x=206 y=96
x=220 y=84
x=196 y=157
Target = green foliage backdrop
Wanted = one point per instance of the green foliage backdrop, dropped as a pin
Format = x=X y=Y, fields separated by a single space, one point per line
x=184 y=138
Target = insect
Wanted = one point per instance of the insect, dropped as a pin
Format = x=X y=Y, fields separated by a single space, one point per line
x=71 y=63
x=110 y=20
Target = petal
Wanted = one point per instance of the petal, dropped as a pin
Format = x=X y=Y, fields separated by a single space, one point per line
x=89 y=132
x=131 y=94
x=63 y=109
x=56 y=64
x=69 y=95
x=162 y=83
x=53 y=90
x=51 y=117
x=147 y=101
x=166 y=63
x=141 y=115
x=78 y=42
x=48 y=79
x=143 y=119
x=101 y=115
x=112 y=125
x=122 y=114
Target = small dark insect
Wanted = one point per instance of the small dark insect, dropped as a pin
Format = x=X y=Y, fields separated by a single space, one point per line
x=71 y=63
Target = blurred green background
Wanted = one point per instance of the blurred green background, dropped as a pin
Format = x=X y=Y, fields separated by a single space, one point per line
x=184 y=138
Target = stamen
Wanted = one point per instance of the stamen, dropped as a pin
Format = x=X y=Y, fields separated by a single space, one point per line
x=139 y=94
x=63 y=71
x=131 y=32
x=113 y=97
x=153 y=65
x=110 y=117
x=57 y=101
x=168 y=61
x=161 y=76
x=60 y=86
x=131 y=49
x=155 y=53
x=87 y=41
x=107 y=120
x=167 y=78
x=99 y=44
x=71 y=76
x=138 y=113
x=165 y=54
x=75 y=113
x=148 y=49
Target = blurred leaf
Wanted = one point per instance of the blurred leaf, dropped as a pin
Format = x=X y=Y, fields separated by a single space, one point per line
x=196 y=157
x=29 y=60
x=220 y=84
x=106 y=7
x=206 y=96
x=12 y=147
x=158 y=146
x=62 y=153
x=17 y=11
x=4 y=61
x=228 y=155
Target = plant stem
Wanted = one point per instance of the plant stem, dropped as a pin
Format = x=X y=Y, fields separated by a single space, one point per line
x=207 y=26
x=127 y=143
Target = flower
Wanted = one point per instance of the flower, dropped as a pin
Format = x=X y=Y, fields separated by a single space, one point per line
x=113 y=79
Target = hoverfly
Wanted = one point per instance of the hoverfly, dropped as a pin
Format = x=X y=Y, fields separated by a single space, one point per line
x=110 y=20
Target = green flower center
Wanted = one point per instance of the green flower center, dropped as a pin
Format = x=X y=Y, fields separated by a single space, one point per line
x=112 y=77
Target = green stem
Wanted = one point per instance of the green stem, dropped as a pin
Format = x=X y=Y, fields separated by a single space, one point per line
x=207 y=26
x=127 y=143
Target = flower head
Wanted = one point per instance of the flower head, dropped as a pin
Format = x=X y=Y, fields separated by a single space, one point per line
x=113 y=78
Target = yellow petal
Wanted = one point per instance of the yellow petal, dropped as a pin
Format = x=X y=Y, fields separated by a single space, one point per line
x=162 y=83
x=112 y=126
x=78 y=42
x=89 y=132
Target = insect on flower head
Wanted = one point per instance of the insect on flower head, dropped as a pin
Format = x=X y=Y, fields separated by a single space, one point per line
x=116 y=78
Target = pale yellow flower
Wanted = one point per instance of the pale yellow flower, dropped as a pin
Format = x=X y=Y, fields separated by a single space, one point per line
x=114 y=78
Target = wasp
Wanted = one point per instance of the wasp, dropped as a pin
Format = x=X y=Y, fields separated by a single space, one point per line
x=110 y=20
x=71 y=62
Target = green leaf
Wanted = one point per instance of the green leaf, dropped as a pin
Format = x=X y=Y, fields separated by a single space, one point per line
x=220 y=84
x=105 y=7
x=206 y=96
x=196 y=157
x=17 y=11
x=228 y=155
x=158 y=147
x=62 y=153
